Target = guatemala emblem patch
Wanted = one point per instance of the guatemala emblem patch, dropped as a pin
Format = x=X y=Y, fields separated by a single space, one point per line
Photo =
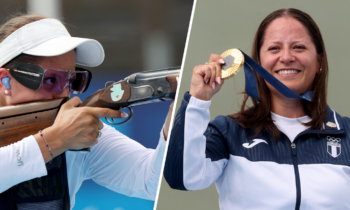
x=117 y=92
x=333 y=146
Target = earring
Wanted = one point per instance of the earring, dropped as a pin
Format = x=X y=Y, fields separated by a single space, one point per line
x=6 y=82
x=6 y=92
x=320 y=69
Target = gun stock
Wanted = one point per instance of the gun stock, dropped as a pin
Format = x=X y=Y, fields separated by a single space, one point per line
x=20 y=121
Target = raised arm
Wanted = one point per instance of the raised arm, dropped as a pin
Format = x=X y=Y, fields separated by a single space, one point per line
x=197 y=152
x=194 y=160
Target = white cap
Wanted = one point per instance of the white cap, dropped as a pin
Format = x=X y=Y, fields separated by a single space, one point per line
x=49 y=37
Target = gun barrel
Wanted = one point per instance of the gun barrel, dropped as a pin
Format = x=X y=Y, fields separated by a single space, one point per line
x=145 y=76
x=152 y=86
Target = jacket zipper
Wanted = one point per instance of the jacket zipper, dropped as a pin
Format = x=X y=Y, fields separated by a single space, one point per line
x=295 y=159
x=297 y=177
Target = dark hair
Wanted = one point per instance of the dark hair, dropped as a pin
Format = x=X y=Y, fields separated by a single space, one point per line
x=258 y=115
x=12 y=25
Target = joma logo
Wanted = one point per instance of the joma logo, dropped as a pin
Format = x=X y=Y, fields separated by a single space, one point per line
x=18 y=155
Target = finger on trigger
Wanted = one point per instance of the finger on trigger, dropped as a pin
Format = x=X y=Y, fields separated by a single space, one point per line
x=106 y=112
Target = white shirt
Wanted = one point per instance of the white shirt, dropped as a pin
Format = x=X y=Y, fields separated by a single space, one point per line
x=290 y=126
x=116 y=162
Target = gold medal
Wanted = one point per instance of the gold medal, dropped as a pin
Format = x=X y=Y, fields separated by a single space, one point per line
x=234 y=60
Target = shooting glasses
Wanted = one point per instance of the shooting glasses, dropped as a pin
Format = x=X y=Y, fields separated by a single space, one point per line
x=53 y=81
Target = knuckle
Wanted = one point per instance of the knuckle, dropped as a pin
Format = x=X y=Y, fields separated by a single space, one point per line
x=82 y=115
x=93 y=139
x=214 y=56
x=105 y=111
x=90 y=120
x=84 y=111
x=99 y=124
x=76 y=98
x=210 y=70
x=64 y=106
x=197 y=68
x=92 y=136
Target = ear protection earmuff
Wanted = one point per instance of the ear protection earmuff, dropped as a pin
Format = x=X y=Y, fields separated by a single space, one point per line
x=6 y=82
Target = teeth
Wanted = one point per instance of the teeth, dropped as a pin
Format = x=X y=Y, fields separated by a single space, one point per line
x=288 y=72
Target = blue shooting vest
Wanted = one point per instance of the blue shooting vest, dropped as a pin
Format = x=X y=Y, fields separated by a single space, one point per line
x=47 y=192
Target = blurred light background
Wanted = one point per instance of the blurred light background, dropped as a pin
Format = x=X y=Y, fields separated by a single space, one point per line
x=136 y=35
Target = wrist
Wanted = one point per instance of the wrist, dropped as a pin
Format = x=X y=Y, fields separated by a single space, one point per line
x=46 y=144
x=198 y=95
x=54 y=138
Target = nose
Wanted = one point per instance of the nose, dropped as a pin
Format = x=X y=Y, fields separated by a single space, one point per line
x=287 y=56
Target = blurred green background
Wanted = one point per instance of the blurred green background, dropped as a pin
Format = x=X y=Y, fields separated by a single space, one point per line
x=224 y=24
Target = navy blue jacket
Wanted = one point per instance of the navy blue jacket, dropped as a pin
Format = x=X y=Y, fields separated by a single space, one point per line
x=256 y=172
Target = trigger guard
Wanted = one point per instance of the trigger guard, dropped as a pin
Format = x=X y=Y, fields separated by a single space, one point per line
x=125 y=121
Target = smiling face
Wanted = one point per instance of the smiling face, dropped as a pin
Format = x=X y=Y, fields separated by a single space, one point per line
x=20 y=94
x=289 y=54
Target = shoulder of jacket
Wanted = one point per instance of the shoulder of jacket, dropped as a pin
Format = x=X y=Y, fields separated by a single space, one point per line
x=225 y=123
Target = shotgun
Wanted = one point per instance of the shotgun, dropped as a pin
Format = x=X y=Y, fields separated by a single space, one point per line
x=20 y=121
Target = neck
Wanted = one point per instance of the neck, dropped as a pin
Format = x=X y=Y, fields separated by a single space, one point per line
x=287 y=107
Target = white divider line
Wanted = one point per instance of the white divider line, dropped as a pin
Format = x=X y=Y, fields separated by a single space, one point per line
x=177 y=96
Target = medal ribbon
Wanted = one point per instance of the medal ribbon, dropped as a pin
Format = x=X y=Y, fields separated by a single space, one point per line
x=251 y=86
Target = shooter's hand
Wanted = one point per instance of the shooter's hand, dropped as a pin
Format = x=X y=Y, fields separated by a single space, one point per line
x=74 y=128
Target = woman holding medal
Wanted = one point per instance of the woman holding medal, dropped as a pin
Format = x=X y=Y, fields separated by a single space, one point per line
x=281 y=152
x=39 y=172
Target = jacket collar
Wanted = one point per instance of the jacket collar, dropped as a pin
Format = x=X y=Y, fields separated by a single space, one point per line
x=333 y=121
x=333 y=124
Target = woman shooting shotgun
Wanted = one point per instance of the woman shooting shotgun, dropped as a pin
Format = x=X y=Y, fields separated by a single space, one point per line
x=115 y=161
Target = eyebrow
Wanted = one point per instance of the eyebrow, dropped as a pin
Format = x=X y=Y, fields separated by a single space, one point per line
x=294 y=42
